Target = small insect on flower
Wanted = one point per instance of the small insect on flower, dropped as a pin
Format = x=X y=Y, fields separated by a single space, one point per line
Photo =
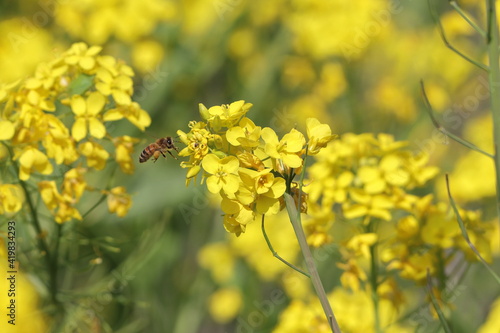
x=161 y=146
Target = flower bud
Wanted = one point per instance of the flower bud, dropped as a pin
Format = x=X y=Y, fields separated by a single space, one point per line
x=205 y=115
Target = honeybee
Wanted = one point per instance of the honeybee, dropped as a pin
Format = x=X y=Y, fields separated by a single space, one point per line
x=160 y=146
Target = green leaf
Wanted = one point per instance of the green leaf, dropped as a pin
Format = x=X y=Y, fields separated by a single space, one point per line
x=81 y=84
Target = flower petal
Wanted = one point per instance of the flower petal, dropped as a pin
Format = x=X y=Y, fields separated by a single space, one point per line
x=213 y=184
x=78 y=105
x=79 y=129
x=210 y=164
x=7 y=130
x=95 y=103
x=97 y=129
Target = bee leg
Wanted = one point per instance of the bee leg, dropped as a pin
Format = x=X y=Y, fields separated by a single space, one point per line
x=168 y=151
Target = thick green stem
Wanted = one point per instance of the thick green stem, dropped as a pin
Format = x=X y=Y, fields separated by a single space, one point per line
x=374 y=278
x=294 y=215
x=494 y=81
x=374 y=286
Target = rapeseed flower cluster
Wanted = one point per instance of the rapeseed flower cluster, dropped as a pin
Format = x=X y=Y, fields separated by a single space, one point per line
x=360 y=200
x=368 y=180
x=57 y=121
x=249 y=166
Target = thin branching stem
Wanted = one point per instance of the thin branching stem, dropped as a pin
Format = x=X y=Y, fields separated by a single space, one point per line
x=449 y=45
x=443 y=130
x=276 y=255
x=435 y=304
x=473 y=24
x=465 y=234
x=103 y=197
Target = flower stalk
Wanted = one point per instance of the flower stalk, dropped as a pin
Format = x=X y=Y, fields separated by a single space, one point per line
x=494 y=82
x=294 y=215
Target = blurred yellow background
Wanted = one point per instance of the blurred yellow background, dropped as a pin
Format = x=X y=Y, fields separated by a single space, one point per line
x=168 y=266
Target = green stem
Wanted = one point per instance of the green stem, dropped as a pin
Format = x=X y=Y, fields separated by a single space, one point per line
x=374 y=285
x=374 y=280
x=294 y=215
x=276 y=255
x=443 y=130
x=51 y=264
x=494 y=82
x=435 y=304
x=101 y=199
x=442 y=33
x=459 y=10
x=441 y=274
x=44 y=248
x=465 y=234
x=50 y=260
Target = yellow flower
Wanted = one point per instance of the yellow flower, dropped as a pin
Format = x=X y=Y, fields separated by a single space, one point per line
x=389 y=290
x=74 y=184
x=225 y=304
x=113 y=79
x=246 y=134
x=81 y=55
x=39 y=99
x=32 y=159
x=7 y=130
x=287 y=149
x=233 y=226
x=124 y=148
x=372 y=180
x=222 y=173
x=319 y=135
x=360 y=244
x=58 y=143
x=219 y=259
x=48 y=76
x=55 y=201
x=368 y=205
x=414 y=267
x=66 y=211
x=352 y=274
x=119 y=201
x=49 y=193
x=11 y=198
x=95 y=153
x=133 y=112
x=86 y=111
x=262 y=189
x=147 y=55
x=196 y=141
x=440 y=227
x=236 y=216
x=407 y=227
x=224 y=115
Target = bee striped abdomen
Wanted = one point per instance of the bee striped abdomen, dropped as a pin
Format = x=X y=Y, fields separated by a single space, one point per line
x=147 y=153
